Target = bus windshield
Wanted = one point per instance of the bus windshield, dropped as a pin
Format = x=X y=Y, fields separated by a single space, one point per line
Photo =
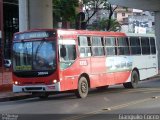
x=35 y=55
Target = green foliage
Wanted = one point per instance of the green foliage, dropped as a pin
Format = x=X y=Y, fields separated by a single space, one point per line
x=64 y=10
x=114 y=25
x=94 y=6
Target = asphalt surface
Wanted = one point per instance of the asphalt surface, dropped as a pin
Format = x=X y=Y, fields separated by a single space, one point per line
x=112 y=103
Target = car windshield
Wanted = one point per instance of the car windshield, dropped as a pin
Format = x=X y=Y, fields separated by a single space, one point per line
x=37 y=55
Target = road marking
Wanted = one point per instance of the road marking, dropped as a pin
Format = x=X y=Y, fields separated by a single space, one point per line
x=143 y=90
x=110 y=108
x=128 y=104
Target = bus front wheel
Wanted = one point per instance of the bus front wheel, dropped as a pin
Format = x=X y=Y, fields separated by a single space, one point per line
x=134 y=81
x=82 y=90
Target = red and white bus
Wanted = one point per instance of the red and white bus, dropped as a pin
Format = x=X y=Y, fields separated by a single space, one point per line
x=47 y=61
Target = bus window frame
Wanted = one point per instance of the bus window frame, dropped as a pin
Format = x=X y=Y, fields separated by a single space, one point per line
x=79 y=47
x=102 y=46
x=64 y=42
x=153 y=46
x=145 y=46
x=118 y=46
x=139 y=39
x=115 y=45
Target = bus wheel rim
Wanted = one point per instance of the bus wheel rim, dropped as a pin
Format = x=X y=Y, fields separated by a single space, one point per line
x=83 y=87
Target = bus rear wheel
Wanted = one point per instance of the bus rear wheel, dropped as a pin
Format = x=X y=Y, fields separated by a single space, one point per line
x=82 y=90
x=134 y=81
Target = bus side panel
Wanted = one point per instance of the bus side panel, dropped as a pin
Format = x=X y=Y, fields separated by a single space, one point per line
x=68 y=80
x=120 y=67
x=122 y=77
x=146 y=64
x=70 y=76
x=152 y=65
x=98 y=71
x=110 y=78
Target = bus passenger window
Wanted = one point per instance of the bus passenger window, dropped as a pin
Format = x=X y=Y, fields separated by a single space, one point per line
x=145 y=45
x=82 y=52
x=68 y=52
x=84 y=46
x=97 y=46
x=135 y=46
x=68 y=55
x=153 y=46
x=123 y=46
x=110 y=46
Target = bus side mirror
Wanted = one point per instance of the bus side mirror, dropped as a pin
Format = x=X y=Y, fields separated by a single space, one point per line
x=63 y=51
x=7 y=63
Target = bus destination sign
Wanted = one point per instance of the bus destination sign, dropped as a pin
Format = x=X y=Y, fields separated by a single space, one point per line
x=35 y=34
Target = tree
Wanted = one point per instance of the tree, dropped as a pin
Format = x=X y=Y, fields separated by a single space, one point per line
x=114 y=25
x=101 y=25
x=92 y=5
x=95 y=6
x=64 y=11
x=111 y=11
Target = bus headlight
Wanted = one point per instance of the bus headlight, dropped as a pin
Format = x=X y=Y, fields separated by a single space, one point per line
x=16 y=82
x=54 y=81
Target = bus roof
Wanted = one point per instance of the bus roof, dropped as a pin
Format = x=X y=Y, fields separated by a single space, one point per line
x=62 y=32
x=77 y=32
x=88 y=33
x=140 y=35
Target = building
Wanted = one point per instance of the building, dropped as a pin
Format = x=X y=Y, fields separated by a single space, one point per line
x=134 y=20
x=100 y=14
x=9 y=23
x=122 y=14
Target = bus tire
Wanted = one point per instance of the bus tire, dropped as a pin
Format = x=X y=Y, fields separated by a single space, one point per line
x=83 y=88
x=134 y=81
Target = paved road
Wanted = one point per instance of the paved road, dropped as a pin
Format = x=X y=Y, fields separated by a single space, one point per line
x=111 y=103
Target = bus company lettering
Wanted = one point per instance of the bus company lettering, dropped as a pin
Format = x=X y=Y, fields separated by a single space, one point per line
x=42 y=73
x=83 y=63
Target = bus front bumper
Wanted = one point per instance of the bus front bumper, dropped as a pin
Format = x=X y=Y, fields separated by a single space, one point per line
x=37 y=88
